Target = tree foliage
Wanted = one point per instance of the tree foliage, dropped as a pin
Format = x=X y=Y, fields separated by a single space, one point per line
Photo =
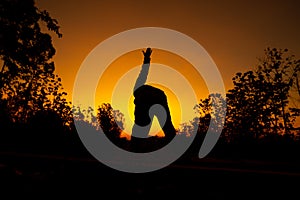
x=258 y=105
x=27 y=80
x=280 y=71
x=111 y=121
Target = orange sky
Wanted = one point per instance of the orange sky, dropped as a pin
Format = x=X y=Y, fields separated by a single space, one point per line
x=234 y=33
x=116 y=85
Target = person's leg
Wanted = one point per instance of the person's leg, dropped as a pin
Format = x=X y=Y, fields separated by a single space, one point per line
x=167 y=124
x=142 y=121
x=141 y=128
x=165 y=120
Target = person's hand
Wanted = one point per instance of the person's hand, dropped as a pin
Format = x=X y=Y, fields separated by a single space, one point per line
x=147 y=55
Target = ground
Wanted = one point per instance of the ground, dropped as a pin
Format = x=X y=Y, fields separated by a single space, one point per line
x=209 y=178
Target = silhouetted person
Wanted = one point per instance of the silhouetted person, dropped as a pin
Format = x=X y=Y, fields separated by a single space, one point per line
x=145 y=97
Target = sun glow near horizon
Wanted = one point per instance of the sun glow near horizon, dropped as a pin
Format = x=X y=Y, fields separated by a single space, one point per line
x=182 y=84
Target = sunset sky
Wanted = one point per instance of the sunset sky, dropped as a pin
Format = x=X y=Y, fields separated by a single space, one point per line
x=234 y=33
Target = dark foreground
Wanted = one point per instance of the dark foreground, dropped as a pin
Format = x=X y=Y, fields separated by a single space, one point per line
x=46 y=176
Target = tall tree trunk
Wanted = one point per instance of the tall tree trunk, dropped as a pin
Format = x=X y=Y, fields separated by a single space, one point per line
x=3 y=66
x=297 y=84
x=2 y=69
x=284 y=118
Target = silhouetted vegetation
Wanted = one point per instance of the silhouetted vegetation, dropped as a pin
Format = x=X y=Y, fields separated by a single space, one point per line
x=260 y=118
x=34 y=110
x=42 y=154
x=258 y=105
x=35 y=115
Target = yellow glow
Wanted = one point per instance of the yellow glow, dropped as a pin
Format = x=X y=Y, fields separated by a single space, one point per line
x=116 y=85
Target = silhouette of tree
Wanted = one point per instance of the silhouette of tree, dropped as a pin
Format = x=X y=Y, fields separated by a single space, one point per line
x=119 y=118
x=280 y=71
x=211 y=112
x=248 y=113
x=109 y=121
x=258 y=104
x=27 y=80
x=85 y=115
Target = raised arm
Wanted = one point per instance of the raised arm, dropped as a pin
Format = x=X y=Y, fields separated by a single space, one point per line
x=141 y=80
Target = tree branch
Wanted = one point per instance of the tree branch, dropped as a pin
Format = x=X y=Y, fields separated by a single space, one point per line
x=3 y=66
x=297 y=84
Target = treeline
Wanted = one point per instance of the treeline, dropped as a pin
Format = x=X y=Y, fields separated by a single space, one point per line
x=263 y=103
x=261 y=111
x=35 y=115
x=33 y=105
